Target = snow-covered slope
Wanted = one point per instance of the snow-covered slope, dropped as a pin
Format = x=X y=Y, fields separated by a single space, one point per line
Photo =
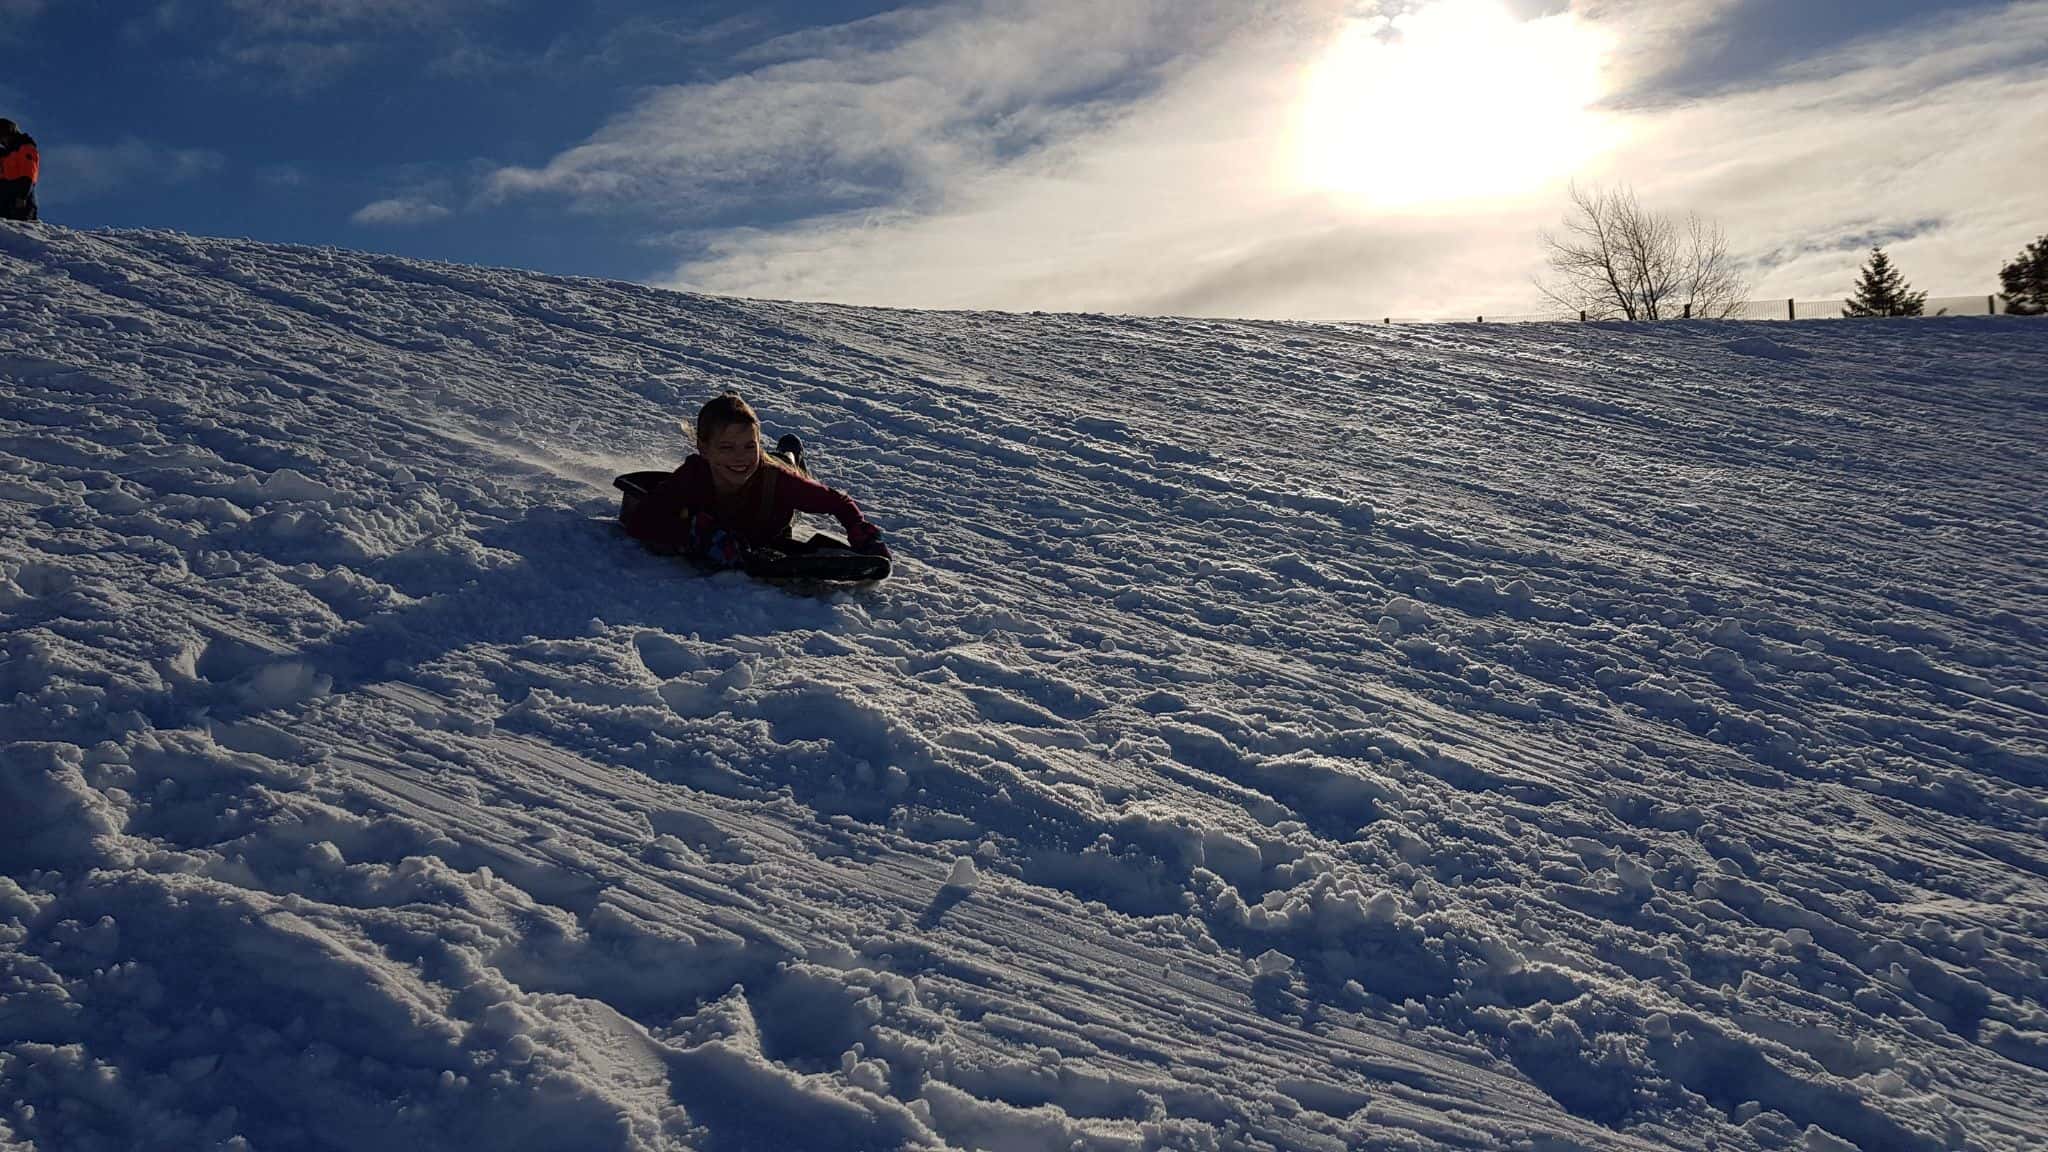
x=1275 y=736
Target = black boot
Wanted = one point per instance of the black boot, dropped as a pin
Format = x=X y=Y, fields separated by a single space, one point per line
x=792 y=448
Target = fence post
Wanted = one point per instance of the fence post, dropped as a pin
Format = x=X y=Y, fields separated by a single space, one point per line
x=1481 y=320
x=1789 y=313
x=1991 y=305
x=1688 y=312
x=1582 y=315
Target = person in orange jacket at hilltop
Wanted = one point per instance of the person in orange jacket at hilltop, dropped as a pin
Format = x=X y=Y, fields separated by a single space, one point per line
x=19 y=166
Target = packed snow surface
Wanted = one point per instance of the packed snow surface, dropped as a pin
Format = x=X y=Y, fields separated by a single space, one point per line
x=1274 y=737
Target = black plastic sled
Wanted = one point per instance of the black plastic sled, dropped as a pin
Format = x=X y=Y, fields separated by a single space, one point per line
x=819 y=557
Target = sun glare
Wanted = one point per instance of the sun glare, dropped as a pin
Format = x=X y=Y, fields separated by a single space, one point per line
x=1454 y=103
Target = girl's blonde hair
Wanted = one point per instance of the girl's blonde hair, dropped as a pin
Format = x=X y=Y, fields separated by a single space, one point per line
x=722 y=411
x=725 y=410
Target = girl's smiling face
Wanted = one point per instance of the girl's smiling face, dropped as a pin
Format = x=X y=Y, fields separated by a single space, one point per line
x=733 y=453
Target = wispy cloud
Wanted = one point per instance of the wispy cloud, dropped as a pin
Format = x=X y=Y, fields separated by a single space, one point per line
x=633 y=45
x=966 y=156
x=298 y=66
x=1927 y=139
x=666 y=35
x=893 y=109
x=399 y=211
x=1680 y=51
x=300 y=17
x=304 y=46
x=83 y=171
x=282 y=175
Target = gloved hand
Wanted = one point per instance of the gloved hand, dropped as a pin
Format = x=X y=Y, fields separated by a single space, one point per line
x=865 y=537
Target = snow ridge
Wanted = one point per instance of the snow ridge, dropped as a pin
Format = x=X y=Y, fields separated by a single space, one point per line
x=1276 y=736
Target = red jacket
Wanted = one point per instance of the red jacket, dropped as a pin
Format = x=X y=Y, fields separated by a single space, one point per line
x=19 y=167
x=19 y=160
x=685 y=512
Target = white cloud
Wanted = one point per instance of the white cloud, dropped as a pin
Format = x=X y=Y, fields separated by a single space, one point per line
x=1937 y=135
x=966 y=157
x=306 y=45
x=896 y=108
x=282 y=175
x=1187 y=202
x=82 y=171
x=1656 y=37
x=399 y=211
x=303 y=16
x=299 y=66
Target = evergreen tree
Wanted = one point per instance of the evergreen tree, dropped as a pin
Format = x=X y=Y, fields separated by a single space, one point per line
x=1882 y=291
x=2025 y=281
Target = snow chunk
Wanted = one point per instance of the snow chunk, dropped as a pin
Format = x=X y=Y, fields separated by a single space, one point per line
x=1635 y=875
x=1273 y=962
x=1765 y=347
x=283 y=684
x=59 y=819
x=15 y=903
x=1816 y=1139
x=1409 y=613
x=964 y=875
x=1383 y=908
x=284 y=484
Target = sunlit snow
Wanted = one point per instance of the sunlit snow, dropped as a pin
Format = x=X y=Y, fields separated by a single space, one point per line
x=1274 y=736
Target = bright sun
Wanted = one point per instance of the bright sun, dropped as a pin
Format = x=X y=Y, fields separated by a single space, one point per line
x=1454 y=103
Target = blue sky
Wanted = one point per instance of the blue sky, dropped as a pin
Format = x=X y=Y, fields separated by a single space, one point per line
x=288 y=120
x=1309 y=158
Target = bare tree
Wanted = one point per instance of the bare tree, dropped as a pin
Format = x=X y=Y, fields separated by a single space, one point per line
x=1619 y=259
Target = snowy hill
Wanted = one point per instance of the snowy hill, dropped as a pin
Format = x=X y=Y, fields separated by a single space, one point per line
x=1275 y=736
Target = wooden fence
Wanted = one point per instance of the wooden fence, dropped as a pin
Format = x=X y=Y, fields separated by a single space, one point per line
x=1788 y=309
